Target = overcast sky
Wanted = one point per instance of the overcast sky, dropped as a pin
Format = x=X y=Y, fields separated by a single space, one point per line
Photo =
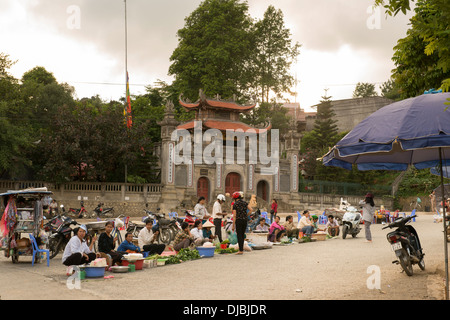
x=82 y=42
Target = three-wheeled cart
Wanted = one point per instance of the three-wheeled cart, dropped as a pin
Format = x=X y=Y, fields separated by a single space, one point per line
x=22 y=215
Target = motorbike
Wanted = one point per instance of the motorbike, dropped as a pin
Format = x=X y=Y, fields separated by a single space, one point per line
x=61 y=235
x=75 y=213
x=406 y=244
x=100 y=212
x=190 y=218
x=350 y=222
x=53 y=224
x=175 y=226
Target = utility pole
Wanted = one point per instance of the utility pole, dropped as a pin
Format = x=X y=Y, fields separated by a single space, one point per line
x=126 y=75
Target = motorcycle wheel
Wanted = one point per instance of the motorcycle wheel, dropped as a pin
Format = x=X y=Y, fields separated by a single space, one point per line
x=109 y=214
x=422 y=264
x=54 y=245
x=344 y=231
x=173 y=232
x=165 y=236
x=405 y=262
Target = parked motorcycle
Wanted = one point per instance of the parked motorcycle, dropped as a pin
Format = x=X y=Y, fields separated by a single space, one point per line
x=134 y=228
x=175 y=226
x=350 y=222
x=61 y=236
x=100 y=212
x=406 y=244
x=190 y=218
x=76 y=213
x=53 y=224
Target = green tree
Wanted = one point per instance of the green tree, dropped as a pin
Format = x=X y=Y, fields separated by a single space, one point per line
x=325 y=131
x=393 y=7
x=266 y=112
x=364 y=90
x=390 y=90
x=43 y=95
x=273 y=55
x=92 y=144
x=213 y=50
x=15 y=137
x=422 y=58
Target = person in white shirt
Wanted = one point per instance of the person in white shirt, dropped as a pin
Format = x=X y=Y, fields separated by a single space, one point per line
x=218 y=215
x=200 y=210
x=368 y=210
x=262 y=225
x=77 y=251
x=197 y=232
x=305 y=224
x=332 y=226
x=147 y=237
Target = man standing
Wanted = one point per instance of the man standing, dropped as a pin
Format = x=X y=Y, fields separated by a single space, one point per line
x=217 y=216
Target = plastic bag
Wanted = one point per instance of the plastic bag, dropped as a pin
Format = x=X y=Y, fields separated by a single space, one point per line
x=233 y=237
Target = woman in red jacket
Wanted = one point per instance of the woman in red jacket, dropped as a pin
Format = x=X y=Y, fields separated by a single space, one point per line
x=273 y=210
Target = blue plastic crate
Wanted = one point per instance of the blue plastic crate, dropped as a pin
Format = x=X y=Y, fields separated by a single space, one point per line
x=206 y=252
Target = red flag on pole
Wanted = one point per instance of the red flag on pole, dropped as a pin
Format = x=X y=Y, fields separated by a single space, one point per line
x=127 y=111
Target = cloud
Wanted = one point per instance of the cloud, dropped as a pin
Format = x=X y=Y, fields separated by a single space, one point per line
x=333 y=33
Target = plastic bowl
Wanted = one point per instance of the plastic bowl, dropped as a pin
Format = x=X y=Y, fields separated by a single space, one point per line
x=119 y=269
x=95 y=272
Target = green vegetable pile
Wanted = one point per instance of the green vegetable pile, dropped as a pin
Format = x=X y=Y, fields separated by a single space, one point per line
x=228 y=250
x=182 y=255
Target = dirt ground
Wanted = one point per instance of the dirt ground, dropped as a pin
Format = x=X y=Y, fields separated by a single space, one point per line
x=334 y=269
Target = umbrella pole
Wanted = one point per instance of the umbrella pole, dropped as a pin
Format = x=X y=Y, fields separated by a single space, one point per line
x=445 y=225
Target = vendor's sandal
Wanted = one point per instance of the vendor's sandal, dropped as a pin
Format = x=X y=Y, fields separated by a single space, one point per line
x=240 y=252
x=69 y=271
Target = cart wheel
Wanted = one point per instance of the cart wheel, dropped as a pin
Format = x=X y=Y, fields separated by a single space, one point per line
x=15 y=258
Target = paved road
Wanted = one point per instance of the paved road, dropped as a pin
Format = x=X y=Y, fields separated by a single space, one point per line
x=331 y=269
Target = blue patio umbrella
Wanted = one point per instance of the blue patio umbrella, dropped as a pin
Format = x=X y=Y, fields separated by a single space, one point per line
x=413 y=131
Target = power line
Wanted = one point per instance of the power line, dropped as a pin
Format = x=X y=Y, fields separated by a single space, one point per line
x=108 y=83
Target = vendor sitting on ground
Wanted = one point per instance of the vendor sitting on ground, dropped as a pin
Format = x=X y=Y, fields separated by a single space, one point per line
x=147 y=237
x=128 y=245
x=77 y=252
x=291 y=230
x=332 y=226
x=184 y=238
x=262 y=225
x=107 y=245
x=207 y=232
x=197 y=233
x=315 y=221
x=276 y=230
x=305 y=225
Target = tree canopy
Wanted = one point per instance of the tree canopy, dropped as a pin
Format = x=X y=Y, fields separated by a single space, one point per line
x=224 y=52
x=422 y=58
x=364 y=90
